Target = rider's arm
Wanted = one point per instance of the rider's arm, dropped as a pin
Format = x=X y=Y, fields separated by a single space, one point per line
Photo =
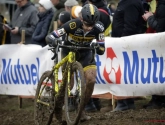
x=64 y=29
x=53 y=37
x=99 y=28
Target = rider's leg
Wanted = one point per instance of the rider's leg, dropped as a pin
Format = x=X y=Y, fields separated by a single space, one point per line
x=88 y=62
x=90 y=76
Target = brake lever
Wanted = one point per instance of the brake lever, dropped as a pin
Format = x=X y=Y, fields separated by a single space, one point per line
x=56 y=52
x=54 y=56
x=57 y=48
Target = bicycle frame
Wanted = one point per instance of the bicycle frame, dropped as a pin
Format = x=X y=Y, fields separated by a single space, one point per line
x=70 y=58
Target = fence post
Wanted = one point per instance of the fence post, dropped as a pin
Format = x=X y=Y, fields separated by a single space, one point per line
x=55 y=25
x=20 y=102
x=23 y=36
x=113 y=102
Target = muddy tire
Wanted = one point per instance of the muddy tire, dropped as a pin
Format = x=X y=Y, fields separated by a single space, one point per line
x=44 y=102
x=77 y=94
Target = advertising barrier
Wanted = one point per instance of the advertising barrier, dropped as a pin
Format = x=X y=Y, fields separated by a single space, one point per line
x=130 y=66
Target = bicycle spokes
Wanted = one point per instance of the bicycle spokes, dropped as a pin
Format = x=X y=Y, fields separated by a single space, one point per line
x=44 y=100
x=76 y=89
x=75 y=95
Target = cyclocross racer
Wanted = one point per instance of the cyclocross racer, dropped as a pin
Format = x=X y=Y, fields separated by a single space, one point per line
x=82 y=31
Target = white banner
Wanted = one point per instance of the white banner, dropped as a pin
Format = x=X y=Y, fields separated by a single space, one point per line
x=131 y=66
x=21 y=67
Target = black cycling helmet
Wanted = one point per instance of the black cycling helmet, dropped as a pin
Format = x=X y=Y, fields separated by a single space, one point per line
x=90 y=14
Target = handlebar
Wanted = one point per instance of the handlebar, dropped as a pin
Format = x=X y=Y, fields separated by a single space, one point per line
x=71 y=47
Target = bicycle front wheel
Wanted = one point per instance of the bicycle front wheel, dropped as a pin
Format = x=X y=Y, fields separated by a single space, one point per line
x=75 y=94
x=44 y=99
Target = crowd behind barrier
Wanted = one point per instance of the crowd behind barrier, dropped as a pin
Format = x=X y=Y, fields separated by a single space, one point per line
x=8 y=8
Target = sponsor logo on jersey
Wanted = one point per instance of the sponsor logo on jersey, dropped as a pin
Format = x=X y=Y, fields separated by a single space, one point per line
x=100 y=26
x=80 y=38
x=72 y=25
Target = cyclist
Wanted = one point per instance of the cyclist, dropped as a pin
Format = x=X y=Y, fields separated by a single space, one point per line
x=81 y=31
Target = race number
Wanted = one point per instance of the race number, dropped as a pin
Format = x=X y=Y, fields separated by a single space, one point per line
x=61 y=32
x=101 y=37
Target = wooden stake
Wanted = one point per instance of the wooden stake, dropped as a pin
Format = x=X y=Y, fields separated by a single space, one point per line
x=20 y=102
x=113 y=103
x=23 y=36
x=55 y=25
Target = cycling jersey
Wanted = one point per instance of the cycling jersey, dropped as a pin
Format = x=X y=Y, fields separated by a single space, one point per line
x=76 y=35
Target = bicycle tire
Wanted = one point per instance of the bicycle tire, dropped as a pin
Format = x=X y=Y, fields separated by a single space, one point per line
x=42 y=116
x=79 y=99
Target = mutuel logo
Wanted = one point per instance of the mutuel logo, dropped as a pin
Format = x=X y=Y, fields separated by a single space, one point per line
x=18 y=73
x=112 y=71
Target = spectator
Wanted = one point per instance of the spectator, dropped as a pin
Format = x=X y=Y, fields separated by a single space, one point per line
x=112 y=7
x=157 y=22
x=75 y=11
x=63 y=18
x=45 y=16
x=1 y=30
x=55 y=2
x=69 y=4
x=127 y=21
x=59 y=7
x=11 y=6
x=24 y=18
x=84 y=2
x=4 y=35
x=146 y=6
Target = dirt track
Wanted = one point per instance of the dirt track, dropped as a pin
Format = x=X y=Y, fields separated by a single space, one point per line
x=10 y=114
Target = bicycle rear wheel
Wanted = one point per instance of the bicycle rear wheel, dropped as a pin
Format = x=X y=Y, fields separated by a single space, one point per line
x=77 y=94
x=44 y=102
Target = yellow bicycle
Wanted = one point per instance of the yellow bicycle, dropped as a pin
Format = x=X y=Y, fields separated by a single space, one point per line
x=51 y=97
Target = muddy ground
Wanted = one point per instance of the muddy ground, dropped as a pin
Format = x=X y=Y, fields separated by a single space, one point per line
x=11 y=114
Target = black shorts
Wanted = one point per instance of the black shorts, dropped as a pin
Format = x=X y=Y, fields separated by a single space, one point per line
x=86 y=58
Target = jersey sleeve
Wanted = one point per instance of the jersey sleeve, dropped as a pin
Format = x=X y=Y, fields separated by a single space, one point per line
x=65 y=29
x=99 y=29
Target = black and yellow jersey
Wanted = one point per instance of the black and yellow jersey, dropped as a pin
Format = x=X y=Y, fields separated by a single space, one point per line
x=76 y=35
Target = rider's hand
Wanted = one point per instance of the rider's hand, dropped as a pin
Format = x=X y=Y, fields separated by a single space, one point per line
x=51 y=40
x=95 y=45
